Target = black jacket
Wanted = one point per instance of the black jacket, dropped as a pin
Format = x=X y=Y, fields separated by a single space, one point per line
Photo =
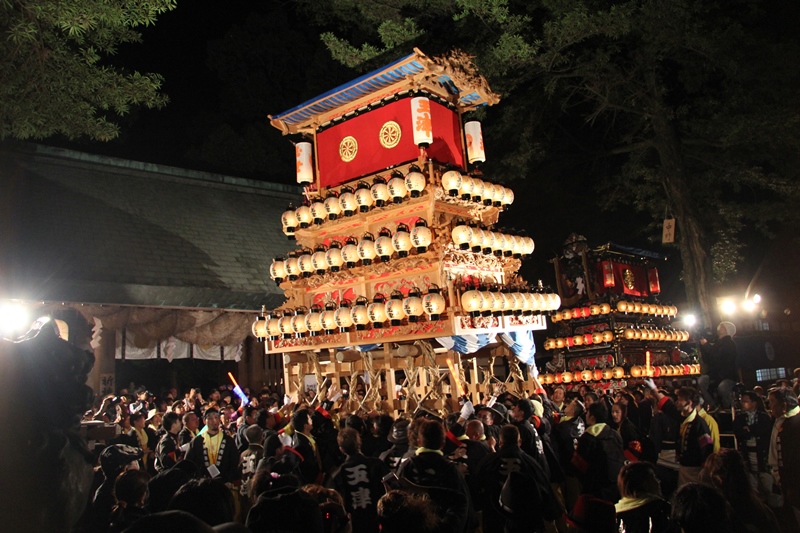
x=598 y=460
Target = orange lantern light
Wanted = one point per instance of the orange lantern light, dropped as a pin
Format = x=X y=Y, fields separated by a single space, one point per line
x=588 y=375
x=636 y=371
x=566 y=377
x=619 y=372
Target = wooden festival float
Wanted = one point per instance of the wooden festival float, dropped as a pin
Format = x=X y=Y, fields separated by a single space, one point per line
x=399 y=265
x=612 y=325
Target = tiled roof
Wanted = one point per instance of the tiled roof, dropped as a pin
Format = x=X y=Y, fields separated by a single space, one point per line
x=83 y=228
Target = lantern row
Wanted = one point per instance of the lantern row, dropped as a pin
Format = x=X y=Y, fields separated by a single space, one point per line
x=505 y=301
x=358 y=314
x=304 y=263
x=481 y=240
x=618 y=372
x=348 y=201
x=645 y=334
x=622 y=306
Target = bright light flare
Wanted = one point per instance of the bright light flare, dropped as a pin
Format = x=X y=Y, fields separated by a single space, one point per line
x=757 y=298
x=689 y=320
x=14 y=319
x=749 y=306
x=728 y=307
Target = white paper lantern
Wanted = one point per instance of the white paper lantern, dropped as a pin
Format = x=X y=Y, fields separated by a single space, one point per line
x=421 y=121
x=474 y=141
x=305 y=166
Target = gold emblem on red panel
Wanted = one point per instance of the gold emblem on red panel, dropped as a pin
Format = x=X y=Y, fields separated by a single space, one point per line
x=348 y=149
x=628 y=278
x=390 y=134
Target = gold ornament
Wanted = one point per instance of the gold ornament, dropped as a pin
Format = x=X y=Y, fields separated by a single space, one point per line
x=348 y=149
x=390 y=134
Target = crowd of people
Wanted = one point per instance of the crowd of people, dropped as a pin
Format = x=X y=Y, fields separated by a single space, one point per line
x=636 y=459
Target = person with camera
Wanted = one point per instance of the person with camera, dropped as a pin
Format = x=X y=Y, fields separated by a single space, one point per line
x=718 y=365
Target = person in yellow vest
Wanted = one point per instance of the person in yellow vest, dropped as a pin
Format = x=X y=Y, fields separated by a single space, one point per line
x=712 y=424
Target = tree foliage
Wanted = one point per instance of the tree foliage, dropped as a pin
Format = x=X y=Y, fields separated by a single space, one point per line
x=55 y=77
x=688 y=103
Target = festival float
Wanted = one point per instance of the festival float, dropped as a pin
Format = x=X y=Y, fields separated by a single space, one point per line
x=401 y=274
x=611 y=325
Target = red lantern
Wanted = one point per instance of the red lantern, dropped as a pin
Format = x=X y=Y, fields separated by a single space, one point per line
x=687 y=370
x=587 y=338
x=652 y=281
x=608 y=274
x=656 y=371
x=597 y=374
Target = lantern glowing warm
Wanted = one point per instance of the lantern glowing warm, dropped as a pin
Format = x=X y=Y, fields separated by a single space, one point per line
x=274 y=327
x=622 y=306
x=383 y=245
x=313 y=320
x=476 y=238
x=359 y=314
x=466 y=187
x=421 y=121
x=377 y=311
x=366 y=248
x=350 y=252
x=434 y=303
x=379 y=191
x=342 y=316
x=305 y=264
x=508 y=302
x=401 y=241
x=292 y=267
x=397 y=187
x=415 y=181
x=328 y=318
x=304 y=216
x=508 y=197
x=477 y=189
x=347 y=202
x=412 y=305
x=527 y=245
x=486 y=241
x=597 y=337
x=608 y=373
x=421 y=236
x=472 y=302
x=587 y=375
x=299 y=322
x=608 y=336
x=546 y=379
x=605 y=309
x=318 y=259
x=550 y=344
x=461 y=234
x=486 y=309
x=277 y=270
x=332 y=206
x=363 y=196
x=451 y=182
x=488 y=193
x=636 y=371
x=474 y=140
x=285 y=325
x=394 y=308
x=318 y=210
x=259 y=328
x=566 y=377
x=333 y=257
x=289 y=219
